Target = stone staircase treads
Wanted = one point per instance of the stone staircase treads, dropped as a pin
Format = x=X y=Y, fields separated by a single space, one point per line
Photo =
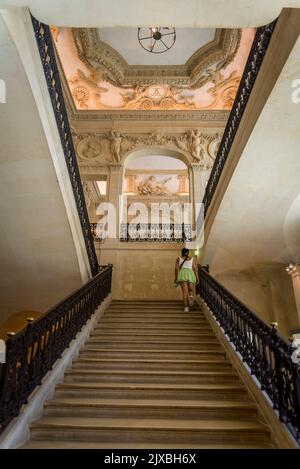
x=93 y=351
x=59 y=444
x=151 y=376
x=143 y=391
x=151 y=430
x=150 y=361
x=146 y=408
x=158 y=345
x=140 y=364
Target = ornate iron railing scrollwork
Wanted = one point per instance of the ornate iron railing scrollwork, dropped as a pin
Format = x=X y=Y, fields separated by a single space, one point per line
x=155 y=232
x=255 y=58
x=47 y=54
x=266 y=353
x=31 y=353
x=97 y=231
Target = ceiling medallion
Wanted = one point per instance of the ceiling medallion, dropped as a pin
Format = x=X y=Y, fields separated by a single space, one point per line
x=156 y=40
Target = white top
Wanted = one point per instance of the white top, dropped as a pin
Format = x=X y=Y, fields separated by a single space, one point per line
x=188 y=264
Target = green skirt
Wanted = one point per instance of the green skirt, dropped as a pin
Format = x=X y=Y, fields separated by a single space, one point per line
x=186 y=275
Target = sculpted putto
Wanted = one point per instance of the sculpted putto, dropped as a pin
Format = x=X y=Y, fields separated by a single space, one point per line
x=193 y=142
x=115 y=146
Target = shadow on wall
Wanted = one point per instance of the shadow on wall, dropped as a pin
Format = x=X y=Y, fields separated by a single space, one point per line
x=268 y=291
x=17 y=322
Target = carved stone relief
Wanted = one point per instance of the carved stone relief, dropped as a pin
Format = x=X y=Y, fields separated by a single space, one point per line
x=89 y=148
x=111 y=148
x=88 y=94
x=88 y=195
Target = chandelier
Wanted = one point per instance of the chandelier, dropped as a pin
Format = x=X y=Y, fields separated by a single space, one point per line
x=156 y=40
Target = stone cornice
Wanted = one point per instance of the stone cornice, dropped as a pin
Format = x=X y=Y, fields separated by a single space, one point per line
x=193 y=116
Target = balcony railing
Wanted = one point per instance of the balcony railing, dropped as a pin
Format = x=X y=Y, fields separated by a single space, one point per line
x=97 y=230
x=31 y=353
x=156 y=232
x=267 y=354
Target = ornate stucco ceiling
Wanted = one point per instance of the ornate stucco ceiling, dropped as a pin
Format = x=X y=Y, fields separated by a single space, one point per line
x=98 y=78
x=188 y=41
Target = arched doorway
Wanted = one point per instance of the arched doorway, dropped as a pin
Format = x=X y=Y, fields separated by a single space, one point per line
x=155 y=193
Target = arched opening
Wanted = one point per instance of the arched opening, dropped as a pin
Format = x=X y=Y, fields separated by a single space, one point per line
x=155 y=192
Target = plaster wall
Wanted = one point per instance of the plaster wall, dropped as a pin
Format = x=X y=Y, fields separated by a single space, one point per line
x=142 y=271
x=195 y=13
x=255 y=233
x=268 y=291
x=38 y=260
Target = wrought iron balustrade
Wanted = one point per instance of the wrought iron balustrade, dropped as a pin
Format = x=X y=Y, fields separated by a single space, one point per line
x=266 y=353
x=31 y=353
x=159 y=232
x=47 y=54
x=255 y=58
x=97 y=230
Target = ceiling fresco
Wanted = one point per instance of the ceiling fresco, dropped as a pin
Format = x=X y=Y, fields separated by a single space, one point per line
x=99 y=78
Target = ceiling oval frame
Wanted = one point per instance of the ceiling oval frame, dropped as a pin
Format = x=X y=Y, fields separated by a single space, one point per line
x=196 y=72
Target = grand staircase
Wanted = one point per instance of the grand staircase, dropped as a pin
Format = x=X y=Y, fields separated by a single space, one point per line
x=151 y=376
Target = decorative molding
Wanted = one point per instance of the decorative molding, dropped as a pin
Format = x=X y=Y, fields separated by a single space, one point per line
x=106 y=64
x=89 y=148
x=152 y=183
x=193 y=115
x=151 y=116
x=134 y=172
x=196 y=146
x=99 y=170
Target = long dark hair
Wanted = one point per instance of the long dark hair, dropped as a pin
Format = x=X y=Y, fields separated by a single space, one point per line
x=185 y=252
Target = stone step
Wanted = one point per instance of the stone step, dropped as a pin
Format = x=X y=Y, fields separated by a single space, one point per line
x=162 y=354
x=153 y=323
x=151 y=430
x=141 y=333
x=142 y=364
x=199 y=345
x=150 y=376
x=149 y=306
x=192 y=313
x=152 y=328
x=107 y=319
x=165 y=368
x=183 y=391
x=150 y=408
x=146 y=301
x=155 y=309
x=205 y=344
x=154 y=315
x=123 y=329
x=60 y=444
